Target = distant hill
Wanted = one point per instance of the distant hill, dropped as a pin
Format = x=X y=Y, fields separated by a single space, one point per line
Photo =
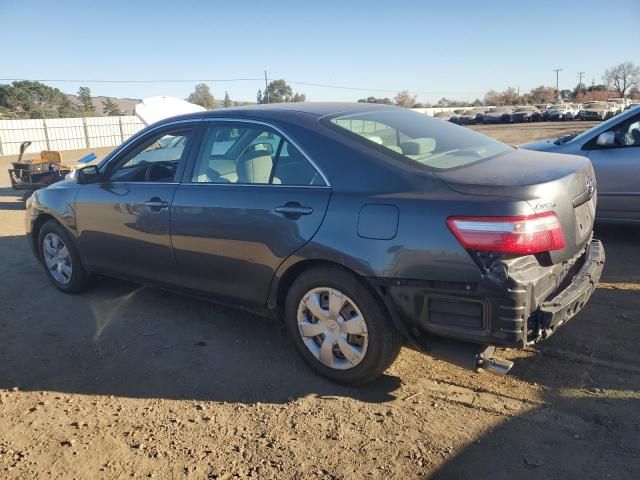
x=125 y=104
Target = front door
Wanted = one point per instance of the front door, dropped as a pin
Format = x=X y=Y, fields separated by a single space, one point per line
x=250 y=200
x=124 y=220
x=617 y=170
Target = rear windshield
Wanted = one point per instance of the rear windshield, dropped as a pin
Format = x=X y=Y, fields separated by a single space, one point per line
x=418 y=138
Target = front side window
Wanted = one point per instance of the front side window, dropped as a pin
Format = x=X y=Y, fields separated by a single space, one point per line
x=251 y=154
x=627 y=133
x=412 y=136
x=156 y=160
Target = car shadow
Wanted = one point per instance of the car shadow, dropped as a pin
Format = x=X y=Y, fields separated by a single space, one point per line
x=126 y=340
x=586 y=424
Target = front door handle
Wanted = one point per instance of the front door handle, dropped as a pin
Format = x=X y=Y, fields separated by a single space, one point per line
x=294 y=209
x=155 y=204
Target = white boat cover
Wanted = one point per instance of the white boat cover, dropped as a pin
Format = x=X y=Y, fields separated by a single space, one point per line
x=153 y=109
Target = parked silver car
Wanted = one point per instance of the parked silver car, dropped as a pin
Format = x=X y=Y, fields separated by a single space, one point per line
x=614 y=149
x=596 y=111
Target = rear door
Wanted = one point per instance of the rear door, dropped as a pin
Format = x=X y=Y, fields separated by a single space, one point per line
x=249 y=200
x=617 y=170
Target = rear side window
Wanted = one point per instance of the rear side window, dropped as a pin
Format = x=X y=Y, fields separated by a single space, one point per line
x=252 y=154
x=412 y=136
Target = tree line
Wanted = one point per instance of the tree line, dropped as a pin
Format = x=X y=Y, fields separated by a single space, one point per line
x=31 y=99
x=620 y=81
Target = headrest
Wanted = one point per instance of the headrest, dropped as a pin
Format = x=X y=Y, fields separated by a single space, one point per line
x=418 y=146
x=254 y=168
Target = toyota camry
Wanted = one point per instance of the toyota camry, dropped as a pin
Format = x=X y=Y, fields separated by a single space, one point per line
x=364 y=227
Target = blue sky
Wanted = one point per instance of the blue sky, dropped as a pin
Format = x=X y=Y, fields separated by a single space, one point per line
x=457 y=49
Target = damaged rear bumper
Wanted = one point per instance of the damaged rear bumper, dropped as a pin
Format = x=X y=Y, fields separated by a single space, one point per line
x=518 y=302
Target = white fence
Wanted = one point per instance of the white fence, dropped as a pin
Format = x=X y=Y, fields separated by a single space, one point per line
x=66 y=133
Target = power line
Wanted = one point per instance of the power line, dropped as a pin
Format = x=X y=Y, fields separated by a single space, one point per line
x=182 y=80
x=223 y=80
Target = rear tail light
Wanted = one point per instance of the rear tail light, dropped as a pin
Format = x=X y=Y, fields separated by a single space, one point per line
x=515 y=235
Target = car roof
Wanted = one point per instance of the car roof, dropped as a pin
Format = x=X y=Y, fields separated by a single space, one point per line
x=266 y=111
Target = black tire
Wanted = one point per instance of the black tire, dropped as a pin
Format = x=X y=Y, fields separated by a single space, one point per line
x=384 y=339
x=80 y=278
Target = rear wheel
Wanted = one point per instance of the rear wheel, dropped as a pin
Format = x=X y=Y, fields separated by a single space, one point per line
x=339 y=327
x=60 y=258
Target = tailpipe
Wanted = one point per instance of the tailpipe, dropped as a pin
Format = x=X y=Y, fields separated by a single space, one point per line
x=467 y=355
x=496 y=365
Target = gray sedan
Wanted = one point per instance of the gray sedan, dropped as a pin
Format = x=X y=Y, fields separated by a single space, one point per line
x=614 y=149
x=362 y=226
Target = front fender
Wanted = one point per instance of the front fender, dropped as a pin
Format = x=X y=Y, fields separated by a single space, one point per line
x=57 y=202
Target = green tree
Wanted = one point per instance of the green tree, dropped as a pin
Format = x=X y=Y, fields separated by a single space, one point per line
x=85 y=102
x=111 y=108
x=227 y=100
x=66 y=109
x=299 y=97
x=27 y=99
x=278 y=91
x=202 y=96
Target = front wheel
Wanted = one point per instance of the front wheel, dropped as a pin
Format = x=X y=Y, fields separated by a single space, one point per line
x=339 y=327
x=60 y=258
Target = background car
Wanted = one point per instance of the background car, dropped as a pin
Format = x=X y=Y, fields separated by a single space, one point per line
x=470 y=116
x=497 y=115
x=614 y=149
x=542 y=108
x=526 y=114
x=361 y=226
x=560 y=111
x=446 y=116
x=595 y=111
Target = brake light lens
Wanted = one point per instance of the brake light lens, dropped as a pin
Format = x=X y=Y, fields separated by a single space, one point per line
x=515 y=235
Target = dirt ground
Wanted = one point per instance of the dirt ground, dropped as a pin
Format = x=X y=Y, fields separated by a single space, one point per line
x=131 y=382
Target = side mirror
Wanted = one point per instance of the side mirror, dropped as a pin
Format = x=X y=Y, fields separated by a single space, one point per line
x=606 y=139
x=88 y=174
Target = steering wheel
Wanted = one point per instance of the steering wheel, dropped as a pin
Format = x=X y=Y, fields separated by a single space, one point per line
x=168 y=168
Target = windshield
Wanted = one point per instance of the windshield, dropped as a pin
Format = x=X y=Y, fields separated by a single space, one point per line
x=404 y=134
x=524 y=109
x=597 y=106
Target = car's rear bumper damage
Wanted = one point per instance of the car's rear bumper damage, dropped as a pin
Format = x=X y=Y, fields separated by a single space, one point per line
x=518 y=302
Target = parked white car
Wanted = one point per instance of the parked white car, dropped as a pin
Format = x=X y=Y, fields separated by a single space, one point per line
x=617 y=104
x=561 y=111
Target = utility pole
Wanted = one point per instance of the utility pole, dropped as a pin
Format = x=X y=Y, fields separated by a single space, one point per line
x=580 y=86
x=266 y=86
x=557 y=70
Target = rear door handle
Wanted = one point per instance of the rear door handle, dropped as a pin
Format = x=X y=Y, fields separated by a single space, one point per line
x=155 y=204
x=294 y=210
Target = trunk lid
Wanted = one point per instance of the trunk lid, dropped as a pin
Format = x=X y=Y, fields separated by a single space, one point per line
x=563 y=184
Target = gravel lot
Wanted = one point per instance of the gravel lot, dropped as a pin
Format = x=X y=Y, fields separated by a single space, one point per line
x=131 y=382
